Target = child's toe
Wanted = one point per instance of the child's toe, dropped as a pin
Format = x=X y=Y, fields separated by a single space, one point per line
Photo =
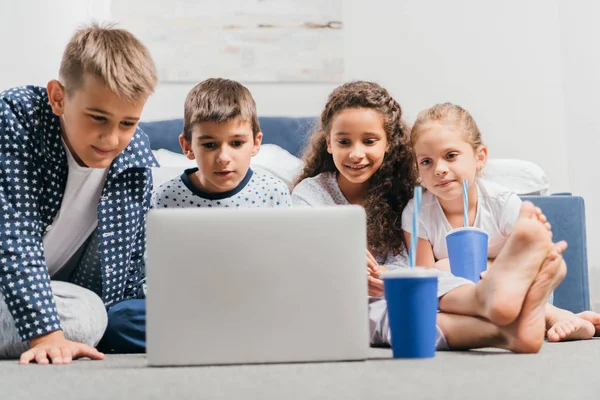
x=552 y=335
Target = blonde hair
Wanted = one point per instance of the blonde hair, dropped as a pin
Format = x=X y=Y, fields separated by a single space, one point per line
x=218 y=100
x=448 y=114
x=114 y=55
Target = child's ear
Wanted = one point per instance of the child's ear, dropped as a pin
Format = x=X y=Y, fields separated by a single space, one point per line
x=257 y=142
x=328 y=141
x=186 y=147
x=56 y=96
x=481 y=155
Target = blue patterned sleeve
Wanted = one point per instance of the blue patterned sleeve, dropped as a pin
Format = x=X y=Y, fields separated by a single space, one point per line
x=136 y=279
x=24 y=279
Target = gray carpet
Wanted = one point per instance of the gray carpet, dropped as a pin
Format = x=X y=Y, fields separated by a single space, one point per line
x=559 y=371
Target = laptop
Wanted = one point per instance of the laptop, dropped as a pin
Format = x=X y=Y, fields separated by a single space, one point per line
x=263 y=285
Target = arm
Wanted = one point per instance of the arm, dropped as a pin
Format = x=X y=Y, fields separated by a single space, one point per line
x=375 y=284
x=300 y=201
x=24 y=276
x=425 y=257
x=24 y=279
x=308 y=194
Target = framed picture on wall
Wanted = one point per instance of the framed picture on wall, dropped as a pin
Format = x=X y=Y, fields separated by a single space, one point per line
x=260 y=41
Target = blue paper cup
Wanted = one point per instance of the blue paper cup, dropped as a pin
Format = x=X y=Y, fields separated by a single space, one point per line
x=412 y=303
x=468 y=252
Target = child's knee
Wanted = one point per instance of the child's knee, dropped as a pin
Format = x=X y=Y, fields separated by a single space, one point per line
x=82 y=315
x=93 y=322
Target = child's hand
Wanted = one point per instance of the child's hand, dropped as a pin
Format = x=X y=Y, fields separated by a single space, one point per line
x=372 y=266
x=375 y=287
x=58 y=349
x=373 y=270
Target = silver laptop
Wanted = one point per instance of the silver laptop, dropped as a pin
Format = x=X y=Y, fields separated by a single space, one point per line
x=256 y=285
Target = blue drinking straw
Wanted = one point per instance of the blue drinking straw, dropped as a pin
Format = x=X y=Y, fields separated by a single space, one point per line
x=466 y=201
x=415 y=224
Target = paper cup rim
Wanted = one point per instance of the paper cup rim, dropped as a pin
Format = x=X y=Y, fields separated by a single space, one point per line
x=409 y=273
x=467 y=228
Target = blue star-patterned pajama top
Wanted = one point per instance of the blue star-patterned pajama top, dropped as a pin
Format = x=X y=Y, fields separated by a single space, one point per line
x=33 y=176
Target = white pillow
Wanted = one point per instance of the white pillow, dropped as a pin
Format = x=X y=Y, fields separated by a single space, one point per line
x=171 y=165
x=277 y=162
x=161 y=175
x=167 y=158
x=271 y=159
x=520 y=176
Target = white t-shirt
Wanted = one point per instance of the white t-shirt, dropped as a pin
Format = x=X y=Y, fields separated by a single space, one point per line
x=497 y=212
x=78 y=214
x=324 y=189
x=255 y=190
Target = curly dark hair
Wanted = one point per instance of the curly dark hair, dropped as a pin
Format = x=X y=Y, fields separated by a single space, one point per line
x=391 y=187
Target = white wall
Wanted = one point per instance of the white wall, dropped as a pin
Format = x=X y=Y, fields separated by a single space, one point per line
x=526 y=69
x=35 y=33
x=294 y=100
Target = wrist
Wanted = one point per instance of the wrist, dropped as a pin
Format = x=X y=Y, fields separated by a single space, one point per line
x=52 y=335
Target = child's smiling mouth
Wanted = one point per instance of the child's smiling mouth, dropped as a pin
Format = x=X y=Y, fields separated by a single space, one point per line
x=356 y=166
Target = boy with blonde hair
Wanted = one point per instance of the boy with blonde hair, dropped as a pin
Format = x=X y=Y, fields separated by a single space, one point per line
x=221 y=133
x=75 y=186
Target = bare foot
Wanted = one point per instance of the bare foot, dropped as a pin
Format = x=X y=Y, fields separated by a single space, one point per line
x=526 y=334
x=517 y=266
x=593 y=318
x=537 y=212
x=573 y=328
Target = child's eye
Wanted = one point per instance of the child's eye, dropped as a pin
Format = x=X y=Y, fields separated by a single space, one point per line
x=343 y=142
x=451 y=156
x=237 y=143
x=98 y=118
x=208 y=145
x=425 y=162
x=370 y=141
x=128 y=124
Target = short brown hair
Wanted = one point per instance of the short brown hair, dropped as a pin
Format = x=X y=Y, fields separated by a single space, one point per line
x=113 y=55
x=218 y=100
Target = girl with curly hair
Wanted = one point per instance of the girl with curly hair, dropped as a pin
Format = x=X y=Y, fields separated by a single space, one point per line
x=360 y=154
